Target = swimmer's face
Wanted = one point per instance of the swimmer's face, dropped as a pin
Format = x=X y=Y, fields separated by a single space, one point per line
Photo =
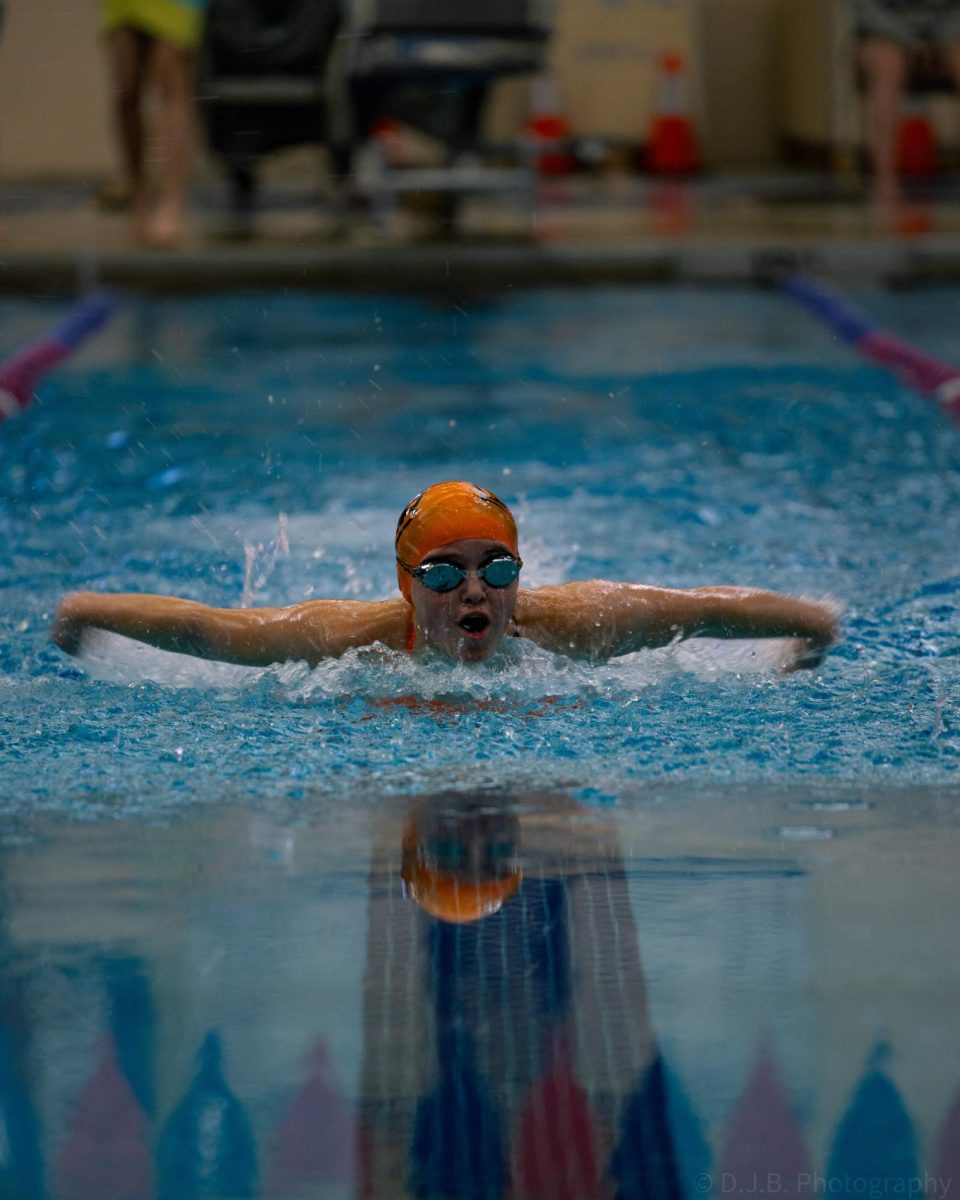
x=467 y=623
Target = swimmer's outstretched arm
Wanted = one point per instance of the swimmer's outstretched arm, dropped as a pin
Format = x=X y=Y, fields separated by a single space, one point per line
x=307 y=632
x=596 y=619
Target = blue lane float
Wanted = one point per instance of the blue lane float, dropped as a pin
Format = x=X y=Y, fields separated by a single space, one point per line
x=924 y=374
x=22 y=371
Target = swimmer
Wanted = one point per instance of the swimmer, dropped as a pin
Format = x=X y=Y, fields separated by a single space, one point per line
x=458 y=568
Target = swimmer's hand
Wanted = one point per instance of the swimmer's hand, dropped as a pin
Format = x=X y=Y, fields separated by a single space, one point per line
x=804 y=654
x=69 y=625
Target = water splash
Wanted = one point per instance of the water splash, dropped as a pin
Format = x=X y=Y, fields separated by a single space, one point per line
x=259 y=561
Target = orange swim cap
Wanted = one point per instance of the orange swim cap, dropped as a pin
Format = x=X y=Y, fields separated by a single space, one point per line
x=454 y=898
x=450 y=512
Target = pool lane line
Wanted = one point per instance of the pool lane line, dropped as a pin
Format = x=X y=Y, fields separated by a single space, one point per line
x=22 y=371
x=924 y=374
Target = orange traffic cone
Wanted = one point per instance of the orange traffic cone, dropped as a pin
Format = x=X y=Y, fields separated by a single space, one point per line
x=388 y=134
x=672 y=146
x=548 y=128
x=916 y=145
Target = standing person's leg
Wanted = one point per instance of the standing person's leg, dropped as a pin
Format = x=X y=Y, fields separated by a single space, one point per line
x=884 y=63
x=172 y=70
x=951 y=54
x=127 y=51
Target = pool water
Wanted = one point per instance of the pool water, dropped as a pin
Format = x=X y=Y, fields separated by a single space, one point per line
x=729 y=966
x=258 y=449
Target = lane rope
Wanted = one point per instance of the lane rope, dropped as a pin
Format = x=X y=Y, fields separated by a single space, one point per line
x=22 y=371
x=923 y=373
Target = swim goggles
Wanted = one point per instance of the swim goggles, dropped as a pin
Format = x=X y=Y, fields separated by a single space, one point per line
x=444 y=577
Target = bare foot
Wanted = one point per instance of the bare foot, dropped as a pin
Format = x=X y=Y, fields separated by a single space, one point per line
x=163 y=229
x=886 y=200
x=886 y=189
x=893 y=213
x=914 y=219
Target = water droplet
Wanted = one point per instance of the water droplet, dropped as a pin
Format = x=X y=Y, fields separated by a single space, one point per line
x=804 y=833
x=166 y=478
x=841 y=806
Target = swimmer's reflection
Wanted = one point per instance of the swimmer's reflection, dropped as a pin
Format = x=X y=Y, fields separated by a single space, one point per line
x=508 y=1046
x=508 y=1055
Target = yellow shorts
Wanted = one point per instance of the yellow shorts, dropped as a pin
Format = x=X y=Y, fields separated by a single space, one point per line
x=177 y=21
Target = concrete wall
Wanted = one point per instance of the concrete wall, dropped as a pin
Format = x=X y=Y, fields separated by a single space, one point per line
x=54 y=119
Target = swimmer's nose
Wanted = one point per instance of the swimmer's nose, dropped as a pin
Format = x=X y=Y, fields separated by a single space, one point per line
x=473 y=591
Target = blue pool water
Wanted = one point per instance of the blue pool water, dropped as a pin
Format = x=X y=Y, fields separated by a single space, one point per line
x=726 y=959
x=674 y=437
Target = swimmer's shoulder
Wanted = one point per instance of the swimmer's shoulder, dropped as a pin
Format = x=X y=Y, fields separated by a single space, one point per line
x=563 y=616
x=555 y=599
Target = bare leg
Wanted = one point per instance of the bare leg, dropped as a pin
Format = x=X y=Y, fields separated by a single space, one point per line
x=172 y=71
x=127 y=51
x=885 y=65
x=951 y=56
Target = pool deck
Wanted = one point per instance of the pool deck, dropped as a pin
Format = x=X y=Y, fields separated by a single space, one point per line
x=56 y=238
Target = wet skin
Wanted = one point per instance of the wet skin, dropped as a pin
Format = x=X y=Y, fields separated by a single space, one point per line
x=468 y=623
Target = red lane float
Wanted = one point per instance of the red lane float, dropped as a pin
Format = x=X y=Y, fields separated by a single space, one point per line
x=922 y=372
x=22 y=371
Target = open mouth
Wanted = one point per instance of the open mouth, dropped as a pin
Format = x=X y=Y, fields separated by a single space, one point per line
x=474 y=623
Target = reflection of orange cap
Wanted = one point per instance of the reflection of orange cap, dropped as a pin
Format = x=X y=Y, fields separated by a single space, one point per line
x=450 y=512
x=454 y=898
